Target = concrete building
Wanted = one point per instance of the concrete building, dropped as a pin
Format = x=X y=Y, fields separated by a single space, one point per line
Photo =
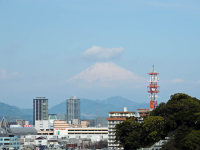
x=73 y=109
x=95 y=134
x=40 y=109
x=23 y=131
x=9 y=143
x=42 y=124
x=62 y=128
x=60 y=124
x=57 y=142
x=84 y=124
x=43 y=127
x=114 y=119
x=7 y=139
x=31 y=141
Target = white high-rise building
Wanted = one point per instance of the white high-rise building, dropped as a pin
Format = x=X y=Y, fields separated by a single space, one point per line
x=114 y=119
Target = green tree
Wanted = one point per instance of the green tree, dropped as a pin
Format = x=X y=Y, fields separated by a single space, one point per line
x=133 y=135
x=191 y=141
x=129 y=134
x=178 y=119
x=185 y=138
x=182 y=121
x=153 y=128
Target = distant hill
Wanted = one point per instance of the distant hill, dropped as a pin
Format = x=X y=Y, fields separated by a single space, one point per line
x=89 y=108
x=12 y=112
x=100 y=108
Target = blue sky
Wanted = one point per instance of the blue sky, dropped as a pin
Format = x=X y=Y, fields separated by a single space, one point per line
x=97 y=49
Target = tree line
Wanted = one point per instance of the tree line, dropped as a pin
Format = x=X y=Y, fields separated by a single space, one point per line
x=178 y=119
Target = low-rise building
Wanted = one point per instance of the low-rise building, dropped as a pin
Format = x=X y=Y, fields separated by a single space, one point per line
x=7 y=139
x=9 y=142
x=95 y=134
x=62 y=128
x=42 y=124
x=43 y=127
x=84 y=124
x=58 y=141
x=61 y=124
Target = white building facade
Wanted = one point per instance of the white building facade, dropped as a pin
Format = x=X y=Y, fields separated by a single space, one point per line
x=114 y=119
x=95 y=134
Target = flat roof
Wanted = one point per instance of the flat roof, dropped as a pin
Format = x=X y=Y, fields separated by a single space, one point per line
x=116 y=119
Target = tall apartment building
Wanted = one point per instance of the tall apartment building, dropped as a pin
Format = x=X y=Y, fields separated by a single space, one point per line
x=73 y=109
x=40 y=109
x=114 y=119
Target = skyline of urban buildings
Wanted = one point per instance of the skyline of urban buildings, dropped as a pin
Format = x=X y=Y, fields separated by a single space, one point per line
x=73 y=125
x=72 y=132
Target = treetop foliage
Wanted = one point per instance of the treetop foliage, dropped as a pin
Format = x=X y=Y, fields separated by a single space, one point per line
x=178 y=119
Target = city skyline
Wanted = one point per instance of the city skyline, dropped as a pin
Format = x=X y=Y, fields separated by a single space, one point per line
x=97 y=49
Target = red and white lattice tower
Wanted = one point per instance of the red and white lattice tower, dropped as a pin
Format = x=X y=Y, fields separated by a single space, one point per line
x=153 y=89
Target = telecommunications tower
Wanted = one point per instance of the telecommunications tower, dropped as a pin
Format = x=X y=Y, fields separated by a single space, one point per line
x=153 y=89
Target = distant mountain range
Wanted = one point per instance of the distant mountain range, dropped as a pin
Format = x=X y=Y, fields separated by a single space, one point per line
x=89 y=108
x=12 y=112
x=100 y=108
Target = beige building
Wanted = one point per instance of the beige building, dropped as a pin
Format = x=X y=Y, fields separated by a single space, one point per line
x=62 y=128
x=61 y=124
x=84 y=124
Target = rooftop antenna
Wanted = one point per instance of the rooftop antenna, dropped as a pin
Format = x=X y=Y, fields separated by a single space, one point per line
x=153 y=67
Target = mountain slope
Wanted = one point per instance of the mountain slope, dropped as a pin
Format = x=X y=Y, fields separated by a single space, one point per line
x=12 y=112
x=105 y=72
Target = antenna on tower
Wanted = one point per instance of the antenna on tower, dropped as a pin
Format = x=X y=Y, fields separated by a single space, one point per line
x=153 y=67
